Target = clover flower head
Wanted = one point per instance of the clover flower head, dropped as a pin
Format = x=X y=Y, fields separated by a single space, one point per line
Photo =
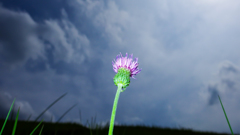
x=126 y=63
x=125 y=68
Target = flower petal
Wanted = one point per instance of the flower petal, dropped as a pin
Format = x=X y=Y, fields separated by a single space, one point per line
x=127 y=63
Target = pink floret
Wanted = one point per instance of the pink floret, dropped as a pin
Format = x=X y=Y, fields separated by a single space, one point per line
x=127 y=63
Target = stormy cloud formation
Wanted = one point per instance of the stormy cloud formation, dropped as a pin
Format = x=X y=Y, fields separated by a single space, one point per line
x=188 y=52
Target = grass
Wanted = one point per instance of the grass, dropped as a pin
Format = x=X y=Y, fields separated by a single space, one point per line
x=225 y=115
x=91 y=127
x=77 y=129
x=15 y=123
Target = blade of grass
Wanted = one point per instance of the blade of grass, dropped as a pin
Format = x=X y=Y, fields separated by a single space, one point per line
x=29 y=117
x=66 y=112
x=36 y=127
x=80 y=117
x=94 y=125
x=52 y=118
x=89 y=126
x=124 y=131
x=15 y=123
x=41 y=130
x=11 y=118
x=50 y=106
x=7 y=117
x=225 y=115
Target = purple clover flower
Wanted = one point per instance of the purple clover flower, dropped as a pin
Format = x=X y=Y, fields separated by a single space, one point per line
x=126 y=63
x=125 y=68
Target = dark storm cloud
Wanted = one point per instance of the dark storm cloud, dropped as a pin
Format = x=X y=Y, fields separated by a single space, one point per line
x=36 y=65
x=17 y=37
x=38 y=9
x=228 y=81
x=70 y=49
x=23 y=40
x=227 y=68
x=214 y=95
x=38 y=52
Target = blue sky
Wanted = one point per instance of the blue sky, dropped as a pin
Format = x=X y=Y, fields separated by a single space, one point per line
x=188 y=52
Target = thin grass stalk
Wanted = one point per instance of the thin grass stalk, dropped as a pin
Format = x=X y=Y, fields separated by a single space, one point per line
x=52 y=118
x=89 y=126
x=66 y=112
x=50 y=106
x=80 y=117
x=225 y=115
x=12 y=114
x=124 y=131
x=41 y=130
x=7 y=117
x=29 y=117
x=36 y=127
x=15 y=123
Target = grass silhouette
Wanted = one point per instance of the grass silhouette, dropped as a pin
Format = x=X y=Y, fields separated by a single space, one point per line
x=15 y=123
x=90 y=128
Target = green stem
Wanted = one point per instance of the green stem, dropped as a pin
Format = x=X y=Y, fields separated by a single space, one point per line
x=114 y=109
x=225 y=115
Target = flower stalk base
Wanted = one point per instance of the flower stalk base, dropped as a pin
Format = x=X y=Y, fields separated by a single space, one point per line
x=114 y=109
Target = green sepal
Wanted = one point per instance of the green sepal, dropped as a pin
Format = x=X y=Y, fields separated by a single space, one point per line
x=122 y=77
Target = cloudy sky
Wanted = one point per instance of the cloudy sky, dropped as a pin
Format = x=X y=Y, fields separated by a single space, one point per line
x=189 y=52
